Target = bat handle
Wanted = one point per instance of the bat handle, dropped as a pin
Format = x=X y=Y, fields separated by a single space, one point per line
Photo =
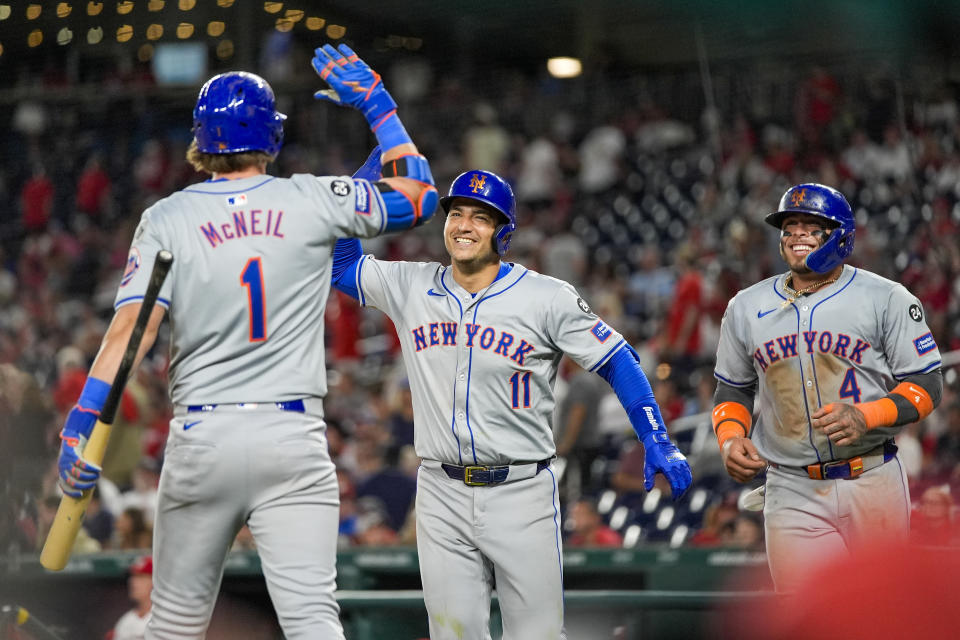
x=69 y=518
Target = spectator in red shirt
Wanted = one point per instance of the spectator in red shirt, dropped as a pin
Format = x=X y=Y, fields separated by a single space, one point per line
x=93 y=188
x=681 y=344
x=36 y=200
x=588 y=527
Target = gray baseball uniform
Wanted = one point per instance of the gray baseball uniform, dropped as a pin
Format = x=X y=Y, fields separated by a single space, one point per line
x=482 y=370
x=247 y=375
x=851 y=342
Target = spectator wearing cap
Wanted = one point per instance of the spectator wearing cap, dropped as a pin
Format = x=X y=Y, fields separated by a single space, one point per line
x=133 y=624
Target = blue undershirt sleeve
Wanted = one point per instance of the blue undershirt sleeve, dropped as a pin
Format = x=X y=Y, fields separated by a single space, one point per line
x=347 y=254
x=622 y=371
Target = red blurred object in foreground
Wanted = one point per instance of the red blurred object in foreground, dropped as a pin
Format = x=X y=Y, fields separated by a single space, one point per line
x=883 y=592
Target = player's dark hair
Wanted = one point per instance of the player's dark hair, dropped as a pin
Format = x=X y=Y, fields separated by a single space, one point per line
x=225 y=162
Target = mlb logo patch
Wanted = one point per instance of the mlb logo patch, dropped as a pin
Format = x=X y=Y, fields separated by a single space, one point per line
x=133 y=265
x=601 y=331
x=238 y=200
x=925 y=343
x=363 y=197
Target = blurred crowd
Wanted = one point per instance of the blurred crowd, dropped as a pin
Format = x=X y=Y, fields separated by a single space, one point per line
x=655 y=216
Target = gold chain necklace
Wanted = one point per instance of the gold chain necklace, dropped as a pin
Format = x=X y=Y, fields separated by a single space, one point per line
x=796 y=294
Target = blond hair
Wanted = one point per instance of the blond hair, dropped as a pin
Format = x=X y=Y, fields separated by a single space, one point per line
x=226 y=162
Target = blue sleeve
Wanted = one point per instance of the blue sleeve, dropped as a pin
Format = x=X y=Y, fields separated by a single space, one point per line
x=622 y=371
x=347 y=254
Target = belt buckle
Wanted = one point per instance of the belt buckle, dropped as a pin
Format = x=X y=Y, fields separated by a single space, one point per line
x=839 y=463
x=468 y=475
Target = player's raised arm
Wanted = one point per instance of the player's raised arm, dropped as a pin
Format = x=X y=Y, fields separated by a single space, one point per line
x=408 y=188
x=624 y=374
x=347 y=252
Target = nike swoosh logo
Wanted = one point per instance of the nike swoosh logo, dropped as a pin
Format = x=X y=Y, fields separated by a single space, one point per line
x=760 y=314
x=431 y=292
x=187 y=425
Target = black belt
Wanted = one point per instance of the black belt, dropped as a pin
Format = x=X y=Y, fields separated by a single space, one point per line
x=479 y=476
x=845 y=469
x=290 y=405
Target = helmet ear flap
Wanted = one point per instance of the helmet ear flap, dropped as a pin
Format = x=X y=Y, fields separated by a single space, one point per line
x=501 y=237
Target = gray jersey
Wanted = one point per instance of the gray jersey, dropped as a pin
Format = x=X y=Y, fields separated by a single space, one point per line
x=251 y=271
x=853 y=341
x=493 y=402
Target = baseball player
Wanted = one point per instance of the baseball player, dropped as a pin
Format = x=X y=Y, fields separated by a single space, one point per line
x=482 y=340
x=245 y=298
x=841 y=359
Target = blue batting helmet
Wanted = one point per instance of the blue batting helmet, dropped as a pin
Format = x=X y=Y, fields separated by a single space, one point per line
x=237 y=112
x=493 y=191
x=823 y=202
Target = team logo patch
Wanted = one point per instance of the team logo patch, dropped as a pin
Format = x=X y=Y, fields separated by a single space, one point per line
x=133 y=265
x=363 y=197
x=916 y=313
x=583 y=306
x=925 y=343
x=601 y=331
x=237 y=200
x=477 y=182
x=340 y=188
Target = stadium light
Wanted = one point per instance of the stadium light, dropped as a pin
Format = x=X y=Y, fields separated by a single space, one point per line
x=124 y=33
x=284 y=24
x=155 y=5
x=187 y=5
x=216 y=28
x=155 y=32
x=272 y=7
x=64 y=36
x=336 y=31
x=224 y=3
x=35 y=38
x=125 y=7
x=294 y=15
x=64 y=9
x=184 y=30
x=95 y=35
x=33 y=11
x=94 y=8
x=4 y=11
x=564 y=67
x=315 y=24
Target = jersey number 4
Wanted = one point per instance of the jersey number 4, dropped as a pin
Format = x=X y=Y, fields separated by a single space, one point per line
x=849 y=388
x=252 y=278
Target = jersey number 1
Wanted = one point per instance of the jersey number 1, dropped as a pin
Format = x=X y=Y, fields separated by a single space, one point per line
x=252 y=278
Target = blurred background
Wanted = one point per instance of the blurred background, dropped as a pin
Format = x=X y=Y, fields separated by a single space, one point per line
x=645 y=142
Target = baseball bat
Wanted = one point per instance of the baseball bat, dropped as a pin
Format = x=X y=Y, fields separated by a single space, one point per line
x=66 y=524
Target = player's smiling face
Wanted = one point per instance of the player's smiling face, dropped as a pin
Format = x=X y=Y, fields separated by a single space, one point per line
x=800 y=235
x=468 y=233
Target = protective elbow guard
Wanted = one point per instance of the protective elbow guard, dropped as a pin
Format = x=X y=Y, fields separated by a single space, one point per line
x=405 y=213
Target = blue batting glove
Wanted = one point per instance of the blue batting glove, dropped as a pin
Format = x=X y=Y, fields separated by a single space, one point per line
x=371 y=169
x=352 y=83
x=76 y=474
x=661 y=455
